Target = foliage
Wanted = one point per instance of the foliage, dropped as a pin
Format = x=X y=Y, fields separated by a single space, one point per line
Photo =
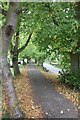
x=70 y=78
x=32 y=51
x=64 y=61
x=6 y=116
x=54 y=25
x=5 y=7
x=57 y=29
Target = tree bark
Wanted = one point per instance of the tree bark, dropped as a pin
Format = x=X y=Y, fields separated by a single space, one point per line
x=74 y=62
x=15 y=52
x=15 y=65
x=24 y=63
x=75 y=58
x=35 y=60
x=7 y=81
x=78 y=17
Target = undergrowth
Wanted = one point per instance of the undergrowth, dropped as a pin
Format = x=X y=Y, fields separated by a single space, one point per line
x=72 y=79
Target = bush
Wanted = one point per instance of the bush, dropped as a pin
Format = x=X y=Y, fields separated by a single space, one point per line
x=70 y=78
x=6 y=117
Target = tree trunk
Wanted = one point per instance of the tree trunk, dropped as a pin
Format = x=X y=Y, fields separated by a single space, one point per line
x=15 y=54
x=79 y=62
x=15 y=65
x=35 y=60
x=74 y=62
x=75 y=58
x=24 y=63
x=7 y=81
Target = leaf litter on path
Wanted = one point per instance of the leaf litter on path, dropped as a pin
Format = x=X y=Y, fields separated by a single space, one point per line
x=25 y=96
x=62 y=89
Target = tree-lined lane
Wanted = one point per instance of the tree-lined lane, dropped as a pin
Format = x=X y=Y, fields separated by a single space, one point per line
x=54 y=105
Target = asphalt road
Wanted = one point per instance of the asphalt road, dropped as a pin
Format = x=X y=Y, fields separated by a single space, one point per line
x=53 y=104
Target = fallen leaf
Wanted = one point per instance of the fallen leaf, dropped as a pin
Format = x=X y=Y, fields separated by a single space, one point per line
x=61 y=112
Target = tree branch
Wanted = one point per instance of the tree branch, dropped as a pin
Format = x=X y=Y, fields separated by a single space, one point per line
x=16 y=42
x=24 y=46
x=11 y=48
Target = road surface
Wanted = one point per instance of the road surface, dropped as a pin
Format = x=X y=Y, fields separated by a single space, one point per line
x=53 y=104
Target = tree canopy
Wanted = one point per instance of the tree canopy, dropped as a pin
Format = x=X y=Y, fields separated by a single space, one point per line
x=39 y=30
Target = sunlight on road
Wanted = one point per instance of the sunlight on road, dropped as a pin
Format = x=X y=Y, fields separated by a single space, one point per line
x=51 y=68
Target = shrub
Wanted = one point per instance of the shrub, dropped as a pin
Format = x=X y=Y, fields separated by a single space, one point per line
x=6 y=116
x=70 y=78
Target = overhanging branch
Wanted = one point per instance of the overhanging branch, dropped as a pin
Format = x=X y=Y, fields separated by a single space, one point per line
x=24 y=46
